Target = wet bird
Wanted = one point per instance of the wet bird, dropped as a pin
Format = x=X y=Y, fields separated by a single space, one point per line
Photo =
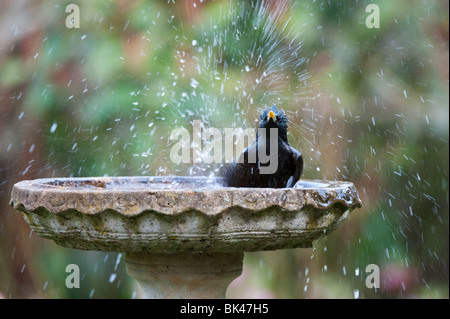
x=253 y=169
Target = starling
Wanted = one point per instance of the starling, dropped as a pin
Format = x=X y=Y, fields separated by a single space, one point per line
x=254 y=170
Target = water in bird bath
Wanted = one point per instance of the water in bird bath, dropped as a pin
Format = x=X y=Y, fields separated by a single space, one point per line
x=135 y=182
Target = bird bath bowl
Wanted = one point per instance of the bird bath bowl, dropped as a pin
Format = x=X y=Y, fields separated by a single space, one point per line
x=184 y=237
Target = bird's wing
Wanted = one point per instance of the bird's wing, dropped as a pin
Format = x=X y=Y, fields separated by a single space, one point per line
x=298 y=160
x=240 y=173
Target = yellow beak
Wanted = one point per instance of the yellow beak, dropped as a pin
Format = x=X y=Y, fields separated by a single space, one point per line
x=272 y=115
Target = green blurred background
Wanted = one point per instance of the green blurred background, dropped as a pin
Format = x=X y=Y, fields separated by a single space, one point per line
x=369 y=106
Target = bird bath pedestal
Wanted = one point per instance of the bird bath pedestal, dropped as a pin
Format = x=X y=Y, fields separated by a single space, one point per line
x=184 y=237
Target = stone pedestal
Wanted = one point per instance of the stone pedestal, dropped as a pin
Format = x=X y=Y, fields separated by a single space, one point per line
x=184 y=275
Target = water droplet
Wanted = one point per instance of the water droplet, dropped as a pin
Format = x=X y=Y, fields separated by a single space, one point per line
x=112 y=278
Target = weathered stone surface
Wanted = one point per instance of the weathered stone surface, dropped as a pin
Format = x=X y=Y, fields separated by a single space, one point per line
x=184 y=275
x=181 y=214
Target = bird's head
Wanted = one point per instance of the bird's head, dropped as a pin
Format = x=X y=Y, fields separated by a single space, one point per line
x=272 y=118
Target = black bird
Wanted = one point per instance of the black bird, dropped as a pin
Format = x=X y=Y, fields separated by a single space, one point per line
x=253 y=169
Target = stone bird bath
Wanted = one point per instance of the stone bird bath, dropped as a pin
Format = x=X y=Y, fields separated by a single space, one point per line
x=184 y=237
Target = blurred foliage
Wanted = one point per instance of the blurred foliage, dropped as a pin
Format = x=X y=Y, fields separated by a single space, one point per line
x=365 y=105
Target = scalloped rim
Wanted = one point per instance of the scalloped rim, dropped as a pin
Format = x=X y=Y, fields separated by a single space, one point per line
x=133 y=201
x=155 y=232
